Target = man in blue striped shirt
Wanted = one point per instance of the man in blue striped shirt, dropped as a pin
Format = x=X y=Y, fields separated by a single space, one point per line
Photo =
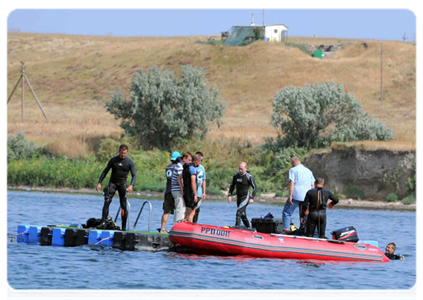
x=169 y=202
x=176 y=187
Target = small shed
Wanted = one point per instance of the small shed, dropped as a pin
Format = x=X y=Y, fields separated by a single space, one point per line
x=275 y=33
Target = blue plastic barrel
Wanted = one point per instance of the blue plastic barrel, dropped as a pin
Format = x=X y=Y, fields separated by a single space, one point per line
x=58 y=238
x=34 y=234
x=22 y=234
x=101 y=238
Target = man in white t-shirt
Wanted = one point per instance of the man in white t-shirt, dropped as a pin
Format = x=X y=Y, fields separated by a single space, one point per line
x=301 y=180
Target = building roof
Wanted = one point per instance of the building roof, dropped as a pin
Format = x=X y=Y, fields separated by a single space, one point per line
x=261 y=25
x=276 y=25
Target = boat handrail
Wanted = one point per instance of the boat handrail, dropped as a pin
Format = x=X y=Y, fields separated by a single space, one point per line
x=149 y=217
x=128 y=207
x=303 y=237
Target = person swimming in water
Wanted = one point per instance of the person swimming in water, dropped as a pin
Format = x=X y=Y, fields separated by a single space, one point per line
x=390 y=252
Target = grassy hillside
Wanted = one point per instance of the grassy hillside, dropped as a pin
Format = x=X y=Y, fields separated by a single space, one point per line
x=73 y=76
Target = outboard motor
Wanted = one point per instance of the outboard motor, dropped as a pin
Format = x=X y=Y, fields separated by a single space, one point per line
x=346 y=234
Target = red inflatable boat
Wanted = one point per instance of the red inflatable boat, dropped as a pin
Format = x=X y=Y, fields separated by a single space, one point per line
x=208 y=239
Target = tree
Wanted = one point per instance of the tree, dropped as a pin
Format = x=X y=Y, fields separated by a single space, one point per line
x=316 y=115
x=163 y=108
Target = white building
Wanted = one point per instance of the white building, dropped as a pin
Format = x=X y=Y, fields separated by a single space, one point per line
x=275 y=33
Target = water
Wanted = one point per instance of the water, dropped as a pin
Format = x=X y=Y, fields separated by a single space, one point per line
x=46 y=267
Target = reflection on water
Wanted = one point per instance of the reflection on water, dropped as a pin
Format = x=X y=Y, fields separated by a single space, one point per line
x=45 y=267
x=237 y=258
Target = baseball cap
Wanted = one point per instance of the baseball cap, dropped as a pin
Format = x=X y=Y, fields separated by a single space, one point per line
x=175 y=155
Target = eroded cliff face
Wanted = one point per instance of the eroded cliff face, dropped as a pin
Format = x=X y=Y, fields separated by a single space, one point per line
x=375 y=173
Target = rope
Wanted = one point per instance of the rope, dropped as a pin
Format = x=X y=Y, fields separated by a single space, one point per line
x=10 y=235
x=107 y=238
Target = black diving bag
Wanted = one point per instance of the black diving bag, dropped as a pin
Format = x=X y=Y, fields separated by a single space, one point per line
x=96 y=223
x=92 y=223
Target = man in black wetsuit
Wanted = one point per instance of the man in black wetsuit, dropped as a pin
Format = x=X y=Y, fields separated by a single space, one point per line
x=242 y=180
x=120 y=165
x=189 y=187
x=316 y=201
x=390 y=252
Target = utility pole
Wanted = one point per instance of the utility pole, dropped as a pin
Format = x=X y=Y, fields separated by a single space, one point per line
x=381 y=73
x=23 y=78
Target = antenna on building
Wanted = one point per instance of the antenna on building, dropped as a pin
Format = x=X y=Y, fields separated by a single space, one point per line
x=23 y=78
x=252 y=20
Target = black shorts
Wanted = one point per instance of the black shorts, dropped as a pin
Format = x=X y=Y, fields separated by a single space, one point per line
x=189 y=202
x=168 y=204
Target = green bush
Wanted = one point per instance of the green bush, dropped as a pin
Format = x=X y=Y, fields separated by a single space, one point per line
x=354 y=193
x=18 y=147
x=54 y=172
x=211 y=190
x=163 y=107
x=314 y=116
x=392 y=197
x=411 y=199
x=279 y=162
x=280 y=193
x=107 y=149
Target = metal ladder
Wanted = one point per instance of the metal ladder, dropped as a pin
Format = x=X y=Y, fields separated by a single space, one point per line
x=149 y=217
x=128 y=205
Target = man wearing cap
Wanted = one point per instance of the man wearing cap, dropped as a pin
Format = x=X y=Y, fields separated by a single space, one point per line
x=169 y=202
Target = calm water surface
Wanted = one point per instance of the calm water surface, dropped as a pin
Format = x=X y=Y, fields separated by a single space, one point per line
x=38 y=267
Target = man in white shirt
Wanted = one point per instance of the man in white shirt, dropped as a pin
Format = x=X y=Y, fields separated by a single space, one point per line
x=301 y=180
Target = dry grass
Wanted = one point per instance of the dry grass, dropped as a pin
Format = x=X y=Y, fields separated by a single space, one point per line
x=73 y=76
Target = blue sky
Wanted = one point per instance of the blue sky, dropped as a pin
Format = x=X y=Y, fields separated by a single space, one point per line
x=380 y=24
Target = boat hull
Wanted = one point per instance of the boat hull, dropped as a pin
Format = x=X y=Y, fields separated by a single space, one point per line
x=208 y=239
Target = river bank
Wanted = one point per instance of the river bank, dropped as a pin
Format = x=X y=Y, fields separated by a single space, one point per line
x=265 y=198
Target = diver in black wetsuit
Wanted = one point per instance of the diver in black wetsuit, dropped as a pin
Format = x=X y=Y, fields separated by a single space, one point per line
x=316 y=201
x=242 y=180
x=120 y=165
x=389 y=252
